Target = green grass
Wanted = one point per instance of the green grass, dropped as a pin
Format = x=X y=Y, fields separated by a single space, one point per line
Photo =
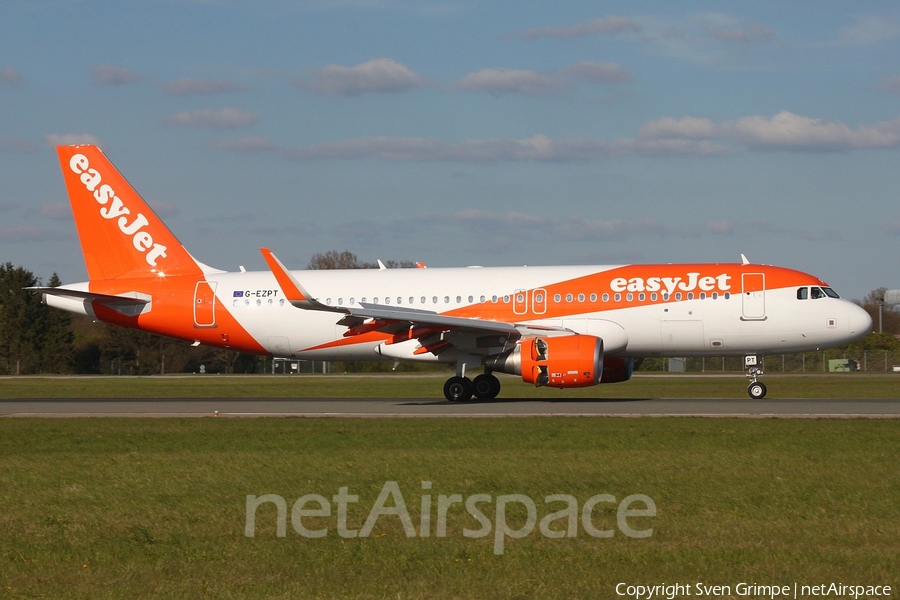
x=126 y=508
x=429 y=386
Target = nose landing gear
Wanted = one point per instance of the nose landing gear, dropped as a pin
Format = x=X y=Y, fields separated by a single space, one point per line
x=756 y=389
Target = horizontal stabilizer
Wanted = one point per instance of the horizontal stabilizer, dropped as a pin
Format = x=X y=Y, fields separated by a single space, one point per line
x=130 y=303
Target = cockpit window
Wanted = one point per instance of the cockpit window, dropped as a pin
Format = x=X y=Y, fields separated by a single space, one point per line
x=830 y=293
x=817 y=293
x=802 y=293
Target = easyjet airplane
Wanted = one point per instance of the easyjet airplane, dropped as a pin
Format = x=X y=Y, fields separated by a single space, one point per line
x=567 y=326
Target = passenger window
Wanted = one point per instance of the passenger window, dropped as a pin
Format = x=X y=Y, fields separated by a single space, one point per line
x=618 y=297
x=423 y=299
x=434 y=299
x=690 y=295
x=593 y=297
x=483 y=299
x=494 y=299
x=606 y=297
x=568 y=297
x=446 y=299
x=581 y=297
x=557 y=297
x=653 y=296
x=629 y=296
x=642 y=296
x=459 y=299
x=471 y=299
x=802 y=293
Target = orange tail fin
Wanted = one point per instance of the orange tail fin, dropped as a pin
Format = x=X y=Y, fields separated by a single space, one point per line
x=121 y=237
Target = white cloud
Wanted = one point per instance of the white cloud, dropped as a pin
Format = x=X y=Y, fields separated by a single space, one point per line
x=538 y=147
x=30 y=233
x=534 y=83
x=795 y=132
x=890 y=85
x=597 y=72
x=194 y=87
x=611 y=24
x=685 y=127
x=112 y=75
x=60 y=211
x=11 y=75
x=16 y=145
x=378 y=75
x=685 y=136
x=506 y=81
x=869 y=31
x=226 y=118
x=245 y=144
x=71 y=139
x=783 y=131
x=725 y=28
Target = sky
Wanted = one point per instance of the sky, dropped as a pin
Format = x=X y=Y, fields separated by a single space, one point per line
x=462 y=133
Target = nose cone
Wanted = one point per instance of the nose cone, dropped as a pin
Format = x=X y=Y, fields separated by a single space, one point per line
x=859 y=323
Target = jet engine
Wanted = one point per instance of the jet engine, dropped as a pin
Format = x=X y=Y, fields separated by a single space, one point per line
x=563 y=362
x=616 y=370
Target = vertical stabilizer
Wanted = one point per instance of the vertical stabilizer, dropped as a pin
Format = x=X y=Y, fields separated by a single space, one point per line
x=121 y=237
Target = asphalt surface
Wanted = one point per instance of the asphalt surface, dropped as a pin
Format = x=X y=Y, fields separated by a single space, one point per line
x=405 y=407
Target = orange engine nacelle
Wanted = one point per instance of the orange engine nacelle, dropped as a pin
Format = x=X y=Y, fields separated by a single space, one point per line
x=563 y=362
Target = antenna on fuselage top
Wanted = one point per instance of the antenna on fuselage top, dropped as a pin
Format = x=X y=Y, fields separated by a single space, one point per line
x=744 y=260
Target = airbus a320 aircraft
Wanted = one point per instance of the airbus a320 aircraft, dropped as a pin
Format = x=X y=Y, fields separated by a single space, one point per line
x=564 y=327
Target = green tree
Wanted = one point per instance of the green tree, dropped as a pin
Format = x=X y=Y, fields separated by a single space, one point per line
x=57 y=348
x=21 y=320
x=348 y=260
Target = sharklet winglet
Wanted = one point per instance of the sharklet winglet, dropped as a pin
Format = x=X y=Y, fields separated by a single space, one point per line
x=292 y=289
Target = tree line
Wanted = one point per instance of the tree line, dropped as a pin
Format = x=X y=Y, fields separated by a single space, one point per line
x=36 y=339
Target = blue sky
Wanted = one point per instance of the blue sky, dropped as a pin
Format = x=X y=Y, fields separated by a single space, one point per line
x=457 y=133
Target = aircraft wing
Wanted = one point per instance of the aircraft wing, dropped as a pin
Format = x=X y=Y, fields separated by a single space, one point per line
x=404 y=323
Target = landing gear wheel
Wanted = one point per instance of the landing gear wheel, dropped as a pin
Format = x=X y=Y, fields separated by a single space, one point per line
x=458 y=389
x=486 y=386
x=757 y=390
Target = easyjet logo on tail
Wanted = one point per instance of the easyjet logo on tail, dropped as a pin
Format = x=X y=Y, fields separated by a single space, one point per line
x=113 y=208
x=691 y=282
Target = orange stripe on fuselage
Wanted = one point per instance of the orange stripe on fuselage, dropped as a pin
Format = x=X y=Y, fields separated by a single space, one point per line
x=635 y=280
x=172 y=313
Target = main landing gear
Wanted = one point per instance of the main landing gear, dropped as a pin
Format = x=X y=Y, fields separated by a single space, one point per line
x=461 y=389
x=756 y=389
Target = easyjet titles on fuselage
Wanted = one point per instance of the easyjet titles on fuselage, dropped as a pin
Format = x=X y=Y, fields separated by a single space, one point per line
x=669 y=285
x=142 y=240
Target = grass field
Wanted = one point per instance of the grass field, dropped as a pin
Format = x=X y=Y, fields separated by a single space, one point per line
x=127 y=508
x=857 y=385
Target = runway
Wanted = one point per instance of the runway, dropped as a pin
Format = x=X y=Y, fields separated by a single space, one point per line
x=405 y=407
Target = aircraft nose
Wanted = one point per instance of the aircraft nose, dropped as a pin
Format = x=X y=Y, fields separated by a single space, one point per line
x=858 y=320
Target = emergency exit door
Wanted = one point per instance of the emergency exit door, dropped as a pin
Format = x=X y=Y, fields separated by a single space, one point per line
x=754 y=296
x=205 y=304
